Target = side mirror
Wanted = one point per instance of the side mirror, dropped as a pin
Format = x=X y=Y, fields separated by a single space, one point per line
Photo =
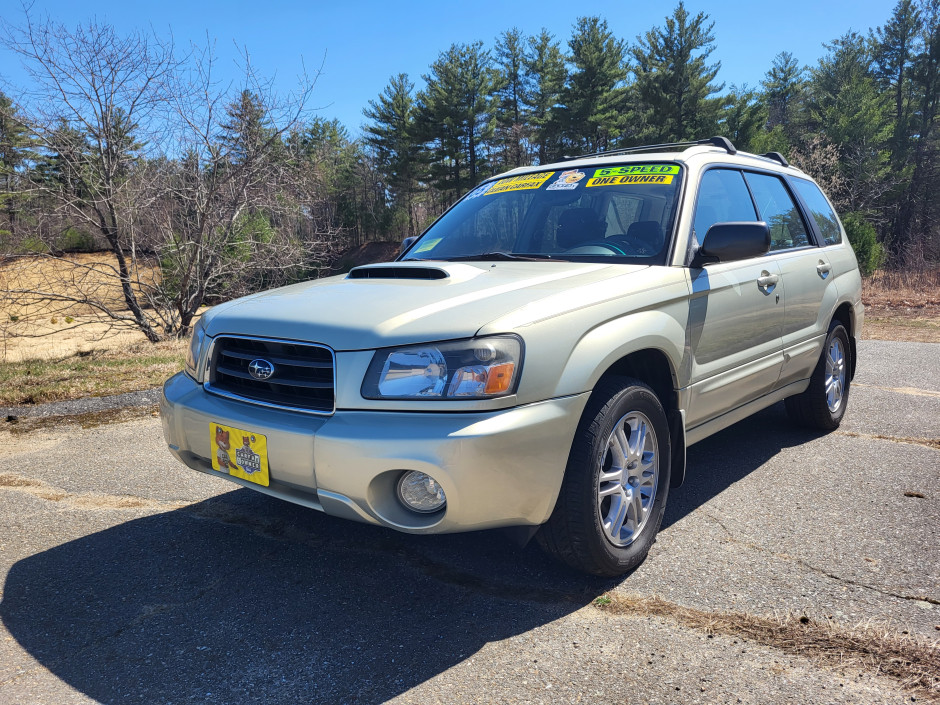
x=406 y=243
x=728 y=242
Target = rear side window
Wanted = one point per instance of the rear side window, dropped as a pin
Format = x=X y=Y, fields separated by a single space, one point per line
x=722 y=198
x=777 y=209
x=822 y=212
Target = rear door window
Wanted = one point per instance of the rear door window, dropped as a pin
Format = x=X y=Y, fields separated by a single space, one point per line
x=821 y=211
x=776 y=208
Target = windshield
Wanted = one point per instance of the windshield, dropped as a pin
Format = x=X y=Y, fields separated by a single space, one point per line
x=624 y=212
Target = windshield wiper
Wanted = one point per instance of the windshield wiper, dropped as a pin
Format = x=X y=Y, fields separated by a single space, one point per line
x=499 y=255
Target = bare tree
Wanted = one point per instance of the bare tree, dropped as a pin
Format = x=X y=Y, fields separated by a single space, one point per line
x=190 y=183
x=231 y=197
x=95 y=110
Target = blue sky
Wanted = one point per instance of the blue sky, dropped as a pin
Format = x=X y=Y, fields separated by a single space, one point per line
x=361 y=44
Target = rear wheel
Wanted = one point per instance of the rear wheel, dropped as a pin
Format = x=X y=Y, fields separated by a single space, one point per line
x=823 y=403
x=614 y=492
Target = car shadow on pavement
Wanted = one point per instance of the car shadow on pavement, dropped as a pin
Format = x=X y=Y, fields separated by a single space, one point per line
x=719 y=461
x=246 y=598
x=243 y=598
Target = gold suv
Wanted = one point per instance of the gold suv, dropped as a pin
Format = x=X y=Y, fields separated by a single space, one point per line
x=541 y=356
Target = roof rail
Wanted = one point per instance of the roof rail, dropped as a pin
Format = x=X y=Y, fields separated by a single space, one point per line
x=722 y=142
x=777 y=157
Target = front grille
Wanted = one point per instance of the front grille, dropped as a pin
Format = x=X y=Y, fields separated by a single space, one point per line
x=302 y=379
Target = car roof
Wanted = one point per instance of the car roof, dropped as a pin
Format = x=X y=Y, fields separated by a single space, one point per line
x=698 y=155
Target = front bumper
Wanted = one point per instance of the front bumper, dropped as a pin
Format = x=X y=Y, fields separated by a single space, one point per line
x=500 y=468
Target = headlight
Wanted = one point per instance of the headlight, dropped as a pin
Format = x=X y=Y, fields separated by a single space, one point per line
x=480 y=368
x=194 y=351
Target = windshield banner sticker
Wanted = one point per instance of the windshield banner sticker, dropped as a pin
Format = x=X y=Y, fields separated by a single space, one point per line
x=520 y=183
x=566 y=181
x=634 y=174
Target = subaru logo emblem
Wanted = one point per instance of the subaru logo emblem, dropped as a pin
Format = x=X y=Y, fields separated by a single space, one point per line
x=260 y=369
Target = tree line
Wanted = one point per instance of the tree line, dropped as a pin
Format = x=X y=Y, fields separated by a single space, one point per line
x=126 y=143
x=862 y=121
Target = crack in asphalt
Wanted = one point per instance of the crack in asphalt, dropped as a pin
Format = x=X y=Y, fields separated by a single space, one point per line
x=912 y=661
x=933 y=443
x=13 y=482
x=821 y=571
x=912 y=391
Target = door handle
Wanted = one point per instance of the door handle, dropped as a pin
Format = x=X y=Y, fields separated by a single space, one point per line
x=767 y=281
x=823 y=269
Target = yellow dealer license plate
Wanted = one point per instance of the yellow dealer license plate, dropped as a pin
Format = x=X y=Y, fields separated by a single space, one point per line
x=240 y=453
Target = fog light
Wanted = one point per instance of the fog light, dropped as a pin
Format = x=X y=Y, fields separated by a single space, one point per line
x=420 y=492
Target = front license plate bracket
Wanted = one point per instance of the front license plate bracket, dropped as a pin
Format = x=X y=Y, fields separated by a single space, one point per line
x=240 y=453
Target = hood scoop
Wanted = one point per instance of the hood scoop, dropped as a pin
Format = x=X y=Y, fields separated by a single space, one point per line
x=397 y=272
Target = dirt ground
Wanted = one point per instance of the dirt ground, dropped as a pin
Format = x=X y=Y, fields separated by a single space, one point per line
x=42 y=314
x=902 y=306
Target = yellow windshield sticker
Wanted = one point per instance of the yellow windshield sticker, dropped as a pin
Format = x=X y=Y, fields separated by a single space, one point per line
x=634 y=179
x=523 y=182
x=634 y=174
x=637 y=169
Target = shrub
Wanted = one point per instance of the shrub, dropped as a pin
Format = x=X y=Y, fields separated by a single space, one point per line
x=74 y=240
x=864 y=239
x=32 y=246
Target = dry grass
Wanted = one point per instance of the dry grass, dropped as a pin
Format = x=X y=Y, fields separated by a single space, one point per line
x=50 y=351
x=913 y=661
x=905 y=291
x=84 y=274
x=99 y=373
x=902 y=306
x=56 y=338
x=35 y=329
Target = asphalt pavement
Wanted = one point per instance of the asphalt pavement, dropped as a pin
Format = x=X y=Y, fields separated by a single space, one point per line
x=127 y=578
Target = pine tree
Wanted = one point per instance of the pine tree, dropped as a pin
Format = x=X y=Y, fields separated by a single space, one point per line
x=916 y=233
x=248 y=131
x=512 y=129
x=456 y=117
x=15 y=154
x=847 y=107
x=325 y=147
x=784 y=91
x=545 y=77
x=592 y=102
x=741 y=118
x=673 y=80
x=896 y=45
x=392 y=135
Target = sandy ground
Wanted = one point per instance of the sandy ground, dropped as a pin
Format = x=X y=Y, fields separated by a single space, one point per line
x=52 y=322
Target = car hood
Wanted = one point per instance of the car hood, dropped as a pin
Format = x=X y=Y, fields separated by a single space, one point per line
x=403 y=302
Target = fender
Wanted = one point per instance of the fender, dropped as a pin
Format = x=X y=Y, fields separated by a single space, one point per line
x=602 y=347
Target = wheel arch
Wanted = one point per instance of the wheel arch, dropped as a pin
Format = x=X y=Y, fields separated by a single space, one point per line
x=845 y=314
x=653 y=367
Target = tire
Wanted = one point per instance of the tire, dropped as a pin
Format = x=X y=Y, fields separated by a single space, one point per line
x=612 y=500
x=823 y=404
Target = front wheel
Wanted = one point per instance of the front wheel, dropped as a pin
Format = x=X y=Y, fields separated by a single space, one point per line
x=823 y=403
x=614 y=492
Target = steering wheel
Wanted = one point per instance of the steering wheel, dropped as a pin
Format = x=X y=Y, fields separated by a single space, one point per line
x=591 y=248
x=619 y=245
